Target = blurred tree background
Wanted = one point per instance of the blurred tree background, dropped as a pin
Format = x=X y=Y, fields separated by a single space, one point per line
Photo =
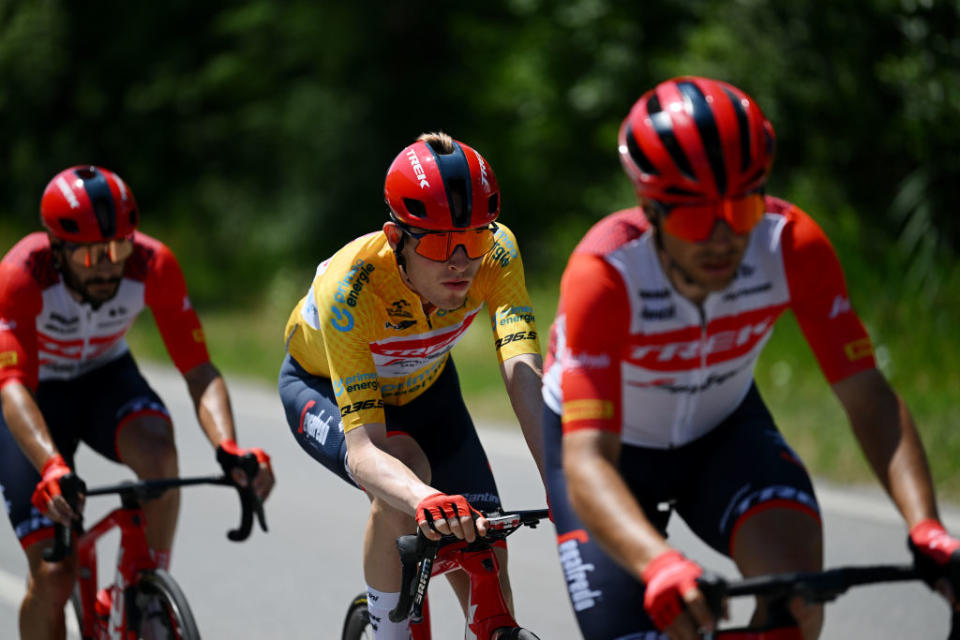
x=256 y=136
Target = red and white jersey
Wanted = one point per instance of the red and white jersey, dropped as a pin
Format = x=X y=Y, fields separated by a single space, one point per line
x=46 y=334
x=630 y=355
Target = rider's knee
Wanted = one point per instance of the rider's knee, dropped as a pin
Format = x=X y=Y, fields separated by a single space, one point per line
x=52 y=583
x=385 y=515
x=808 y=616
x=148 y=447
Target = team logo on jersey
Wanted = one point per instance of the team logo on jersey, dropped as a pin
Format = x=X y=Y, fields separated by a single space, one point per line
x=576 y=571
x=355 y=383
x=399 y=309
x=198 y=336
x=348 y=292
x=858 y=349
x=516 y=337
x=587 y=409
x=840 y=305
x=8 y=359
x=512 y=315
x=362 y=405
x=342 y=319
x=503 y=249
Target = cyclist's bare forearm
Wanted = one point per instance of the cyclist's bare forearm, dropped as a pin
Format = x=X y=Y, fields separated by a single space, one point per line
x=522 y=376
x=889 y=439
x=26 y=423
x=212 y=402
x=381 y=474
x=603 y=501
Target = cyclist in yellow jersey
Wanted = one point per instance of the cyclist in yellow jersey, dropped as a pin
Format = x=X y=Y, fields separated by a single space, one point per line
x=368 y=384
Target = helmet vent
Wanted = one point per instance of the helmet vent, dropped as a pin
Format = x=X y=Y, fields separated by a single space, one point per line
x=707 y=128
x=638 y=156
x=493 y=203
x=745 y=155
x=68 y=225
x=415 y=208
x=457 y=196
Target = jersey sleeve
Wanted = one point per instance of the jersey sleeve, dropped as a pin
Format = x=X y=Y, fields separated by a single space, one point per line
x=508 y=302
x=20 y=304
x=345 y=330
x=820 y=301
x=594 y=340
x=165 y=292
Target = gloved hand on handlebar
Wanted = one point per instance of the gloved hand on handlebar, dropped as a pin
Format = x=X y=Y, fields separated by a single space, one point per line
x=935 y=554
x=439 y=514
x=48 y=497
x=229 y=455
x=668 y=578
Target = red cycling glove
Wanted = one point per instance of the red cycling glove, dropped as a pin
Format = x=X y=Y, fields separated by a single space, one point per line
x=933 y=550
x=668 y=577
x=440 y=506
x=229 y=454
x=49 y=486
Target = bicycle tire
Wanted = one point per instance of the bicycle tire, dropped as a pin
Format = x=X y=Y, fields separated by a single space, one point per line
x=356 y=625
x=175 y=619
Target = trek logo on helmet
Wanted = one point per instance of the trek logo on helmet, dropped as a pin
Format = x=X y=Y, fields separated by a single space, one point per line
x=68 y=193
x=418 y=169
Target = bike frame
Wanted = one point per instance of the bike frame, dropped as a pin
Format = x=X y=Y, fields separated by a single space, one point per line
x=487 y=608
x=133 y=557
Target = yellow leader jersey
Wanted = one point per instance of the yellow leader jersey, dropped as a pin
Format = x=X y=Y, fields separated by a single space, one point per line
x=361 y=326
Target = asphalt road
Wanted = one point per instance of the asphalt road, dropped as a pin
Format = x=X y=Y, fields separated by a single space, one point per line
x=296 y=581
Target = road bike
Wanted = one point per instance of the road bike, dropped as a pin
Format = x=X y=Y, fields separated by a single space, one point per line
x=814 y=587
x=421 y=559
x=144 y=601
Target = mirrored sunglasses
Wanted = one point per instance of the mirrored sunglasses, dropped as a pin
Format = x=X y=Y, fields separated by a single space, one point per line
x=88 y=255
x=441 y=245
x=695 y=222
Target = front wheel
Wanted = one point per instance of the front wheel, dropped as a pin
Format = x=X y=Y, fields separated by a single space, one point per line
x=161 y=611
x=356 y=626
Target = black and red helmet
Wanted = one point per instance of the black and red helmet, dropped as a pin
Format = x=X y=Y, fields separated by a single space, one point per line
x=429 y=189
x=88 y=204
x=691 y=139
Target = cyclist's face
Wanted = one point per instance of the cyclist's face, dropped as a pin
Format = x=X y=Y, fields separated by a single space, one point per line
x=98 y=282
x=442 y=284
x=711 y=265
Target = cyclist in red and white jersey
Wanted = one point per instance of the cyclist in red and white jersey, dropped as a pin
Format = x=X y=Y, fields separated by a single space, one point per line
x=648 y=389
x=68 y=296
x=368 y=384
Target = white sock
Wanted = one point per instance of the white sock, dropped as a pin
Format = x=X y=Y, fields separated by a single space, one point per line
x=380 y=604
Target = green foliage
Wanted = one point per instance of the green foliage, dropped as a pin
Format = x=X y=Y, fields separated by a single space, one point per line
x=256 y=135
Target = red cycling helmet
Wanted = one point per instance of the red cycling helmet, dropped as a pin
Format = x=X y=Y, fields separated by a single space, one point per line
x=691 y=139
x=88 y=204
x=438 y=191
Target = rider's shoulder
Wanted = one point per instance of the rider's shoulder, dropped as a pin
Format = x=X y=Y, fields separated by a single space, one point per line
x=613 y=231
x=30 y=263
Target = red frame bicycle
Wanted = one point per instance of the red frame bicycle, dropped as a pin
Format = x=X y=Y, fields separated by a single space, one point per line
x=141 y=589
x=422 y=559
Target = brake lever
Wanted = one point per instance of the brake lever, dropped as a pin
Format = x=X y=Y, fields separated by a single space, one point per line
x=250 y=504
x=71 y=487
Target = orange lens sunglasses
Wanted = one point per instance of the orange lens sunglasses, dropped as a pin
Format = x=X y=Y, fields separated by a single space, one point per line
x=695 y=222
x=89 y=255
x=440 y=245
